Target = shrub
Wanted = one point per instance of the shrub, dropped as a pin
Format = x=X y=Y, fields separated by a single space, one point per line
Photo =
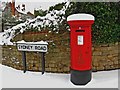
x=106 y=28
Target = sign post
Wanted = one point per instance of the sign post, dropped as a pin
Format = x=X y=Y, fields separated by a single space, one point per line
x=43 y=63
x=34 y=47
x=24 y=61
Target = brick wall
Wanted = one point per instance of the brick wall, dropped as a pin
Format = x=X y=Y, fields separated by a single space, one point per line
x=104 y=57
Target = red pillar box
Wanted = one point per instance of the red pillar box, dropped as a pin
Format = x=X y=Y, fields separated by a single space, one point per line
x=80 y=44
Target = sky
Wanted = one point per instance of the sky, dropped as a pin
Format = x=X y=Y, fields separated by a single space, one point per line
x=36 y=4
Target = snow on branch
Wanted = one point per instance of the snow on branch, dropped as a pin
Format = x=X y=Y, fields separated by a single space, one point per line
x=52 y=19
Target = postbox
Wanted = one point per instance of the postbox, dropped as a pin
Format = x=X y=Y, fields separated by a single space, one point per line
x=81 y=47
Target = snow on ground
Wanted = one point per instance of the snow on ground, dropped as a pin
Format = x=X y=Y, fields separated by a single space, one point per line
x=0 y=76
x=12 y=78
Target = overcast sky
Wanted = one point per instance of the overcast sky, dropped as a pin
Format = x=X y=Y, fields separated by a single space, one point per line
x=35 y=4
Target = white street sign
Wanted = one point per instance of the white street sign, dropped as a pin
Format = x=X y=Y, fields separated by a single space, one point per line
x=32 y=46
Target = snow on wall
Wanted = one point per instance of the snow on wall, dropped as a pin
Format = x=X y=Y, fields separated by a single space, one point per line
x=53 y=18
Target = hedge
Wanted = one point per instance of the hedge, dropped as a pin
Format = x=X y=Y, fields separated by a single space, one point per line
x=106 y=28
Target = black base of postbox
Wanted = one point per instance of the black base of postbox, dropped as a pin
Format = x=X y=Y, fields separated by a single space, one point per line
x=81 y=77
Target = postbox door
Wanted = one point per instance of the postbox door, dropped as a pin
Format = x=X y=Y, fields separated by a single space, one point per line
x=81 y=49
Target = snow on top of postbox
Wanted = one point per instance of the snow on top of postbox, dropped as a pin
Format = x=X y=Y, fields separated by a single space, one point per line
x=80 y=17
x=38 y=42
